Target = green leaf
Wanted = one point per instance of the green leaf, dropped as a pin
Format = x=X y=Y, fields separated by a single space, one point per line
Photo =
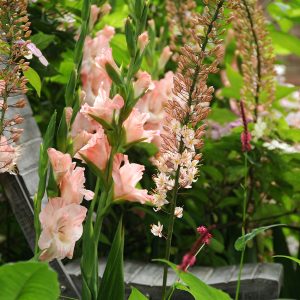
x=136 y=295
x=195 y=286
x=285 y=43
x=28 y=281
x=289 y=257
x=112 y=283
x=241 y=242
x=222 y=115
x=282 y=91
x=62 y=133
x=34 y=79
x=113 y=74
x=42 y=40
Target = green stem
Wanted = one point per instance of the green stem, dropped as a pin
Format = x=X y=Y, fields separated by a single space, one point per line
x=89 y=250
x=243 y=227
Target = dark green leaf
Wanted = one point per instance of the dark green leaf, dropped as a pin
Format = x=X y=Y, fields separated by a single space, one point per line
x=136 y=295
x=241 y=242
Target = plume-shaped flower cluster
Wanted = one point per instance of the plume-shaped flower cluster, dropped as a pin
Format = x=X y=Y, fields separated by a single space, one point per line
x=178 y=161
x=14 y=26
x=255 y=48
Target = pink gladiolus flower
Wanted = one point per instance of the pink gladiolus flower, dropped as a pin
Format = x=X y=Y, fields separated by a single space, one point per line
x=104 y=107
x=126 y=178
x=134 y=127
x=97 y=150
x=142 y=84
x=61 y=228
x=61 y=163
x=72 y=187
x=8 y=156
x=143 y=40
x=164 y=57
x=82 y=131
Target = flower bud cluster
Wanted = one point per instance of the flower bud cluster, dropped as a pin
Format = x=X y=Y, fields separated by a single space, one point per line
x=14 y=27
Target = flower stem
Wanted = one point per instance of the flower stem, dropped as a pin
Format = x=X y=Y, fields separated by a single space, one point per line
x=170 y=231
x=243 y=227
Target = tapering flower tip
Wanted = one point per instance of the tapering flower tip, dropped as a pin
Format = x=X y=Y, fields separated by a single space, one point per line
x=156 y=230
x=178 y=212
x=164 y=57
x=188 y=260
x=143 y=41
x=142 y=84
x=246 y=139
x=205 y=235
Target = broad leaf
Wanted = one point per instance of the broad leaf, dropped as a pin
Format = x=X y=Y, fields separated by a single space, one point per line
x=34 y=79
x=241 y=242
x=195 y=286
x=136 y=295
x=112 y=283
x=28 y=281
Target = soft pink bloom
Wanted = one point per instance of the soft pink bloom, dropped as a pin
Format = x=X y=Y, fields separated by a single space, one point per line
x=61 y=163
x=126 y=178
x=103 y=107
x=72 y=188
x=134 y=127
x=143 y=83
x=97 y=150
x=82 y=131
x=8 y=156
x=164 y=57
x=61 y=228
x=35 y=51
x=143 y=40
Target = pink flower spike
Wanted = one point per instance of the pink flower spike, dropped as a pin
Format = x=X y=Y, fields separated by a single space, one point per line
x=205 y=235
x=61 y=229
x=126 y=178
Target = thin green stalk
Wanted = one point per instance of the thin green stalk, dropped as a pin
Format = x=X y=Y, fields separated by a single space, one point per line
x=243 y=227
x=87 y=263
x=170 y=231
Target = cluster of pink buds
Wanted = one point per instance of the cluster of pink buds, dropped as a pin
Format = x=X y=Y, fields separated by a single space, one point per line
x=189 y=259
